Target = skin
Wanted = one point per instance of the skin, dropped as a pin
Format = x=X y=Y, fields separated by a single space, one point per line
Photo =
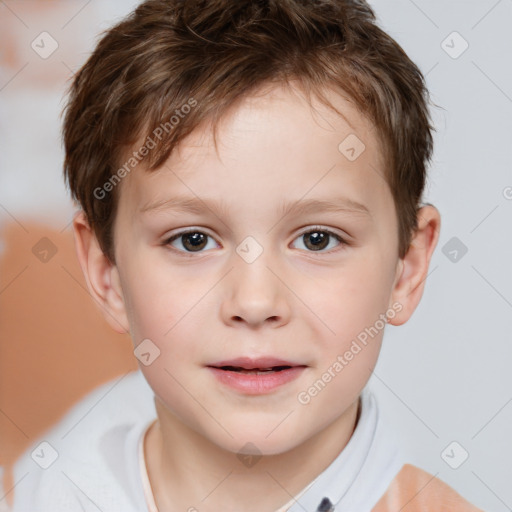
x=293 y=302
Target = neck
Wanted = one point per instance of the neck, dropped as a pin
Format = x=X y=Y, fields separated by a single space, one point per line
x=187 y=470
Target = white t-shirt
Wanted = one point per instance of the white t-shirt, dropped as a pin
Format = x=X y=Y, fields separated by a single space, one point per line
x=93 y=460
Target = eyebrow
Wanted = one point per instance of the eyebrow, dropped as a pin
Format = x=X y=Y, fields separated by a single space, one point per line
x=195 y=205
x=186 y=205
x=335 y=205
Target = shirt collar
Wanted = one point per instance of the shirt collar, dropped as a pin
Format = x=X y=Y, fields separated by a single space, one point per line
x=358 y=476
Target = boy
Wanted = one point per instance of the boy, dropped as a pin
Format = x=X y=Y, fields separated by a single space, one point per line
x=250 y=176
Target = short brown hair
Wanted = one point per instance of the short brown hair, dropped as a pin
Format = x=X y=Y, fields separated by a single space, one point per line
x=171 y=53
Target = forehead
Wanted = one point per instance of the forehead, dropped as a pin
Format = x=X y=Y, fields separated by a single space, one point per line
x=274 y=147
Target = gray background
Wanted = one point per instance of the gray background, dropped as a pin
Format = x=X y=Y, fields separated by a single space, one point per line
x=445 y=375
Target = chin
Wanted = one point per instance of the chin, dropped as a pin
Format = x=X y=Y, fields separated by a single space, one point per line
x=258 y=443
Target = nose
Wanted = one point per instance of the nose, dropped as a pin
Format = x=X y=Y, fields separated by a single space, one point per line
x=255 y=294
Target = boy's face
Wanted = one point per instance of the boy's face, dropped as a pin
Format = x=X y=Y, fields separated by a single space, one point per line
x=252 y=282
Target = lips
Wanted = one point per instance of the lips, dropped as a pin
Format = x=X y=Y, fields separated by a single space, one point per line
x=256 y=371
x=256 y=376
x=257 y=365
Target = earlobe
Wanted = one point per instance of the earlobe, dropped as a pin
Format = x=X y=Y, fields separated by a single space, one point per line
x=100 y=274
x=412 y=270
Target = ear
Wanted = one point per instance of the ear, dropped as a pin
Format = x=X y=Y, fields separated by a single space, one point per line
x=101 y=275
x=412 y=270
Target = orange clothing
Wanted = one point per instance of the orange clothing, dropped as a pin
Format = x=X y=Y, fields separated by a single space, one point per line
x=415 y=490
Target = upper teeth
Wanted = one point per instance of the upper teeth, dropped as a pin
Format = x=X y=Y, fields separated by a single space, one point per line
x=269 y=369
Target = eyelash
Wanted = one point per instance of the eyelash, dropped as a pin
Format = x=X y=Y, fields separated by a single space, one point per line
x=342 y=242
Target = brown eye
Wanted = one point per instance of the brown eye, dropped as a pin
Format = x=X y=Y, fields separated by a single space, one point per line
x=191 y=241
x=317 y=240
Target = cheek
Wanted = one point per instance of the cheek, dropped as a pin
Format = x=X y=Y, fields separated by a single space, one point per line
x=154 y=297
x=350 y=300
x=150 y=313
x=168 y=308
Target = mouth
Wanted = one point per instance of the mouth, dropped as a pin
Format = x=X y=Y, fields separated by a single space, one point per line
x=256 y=376
x=253 y=371
x=255 y=365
